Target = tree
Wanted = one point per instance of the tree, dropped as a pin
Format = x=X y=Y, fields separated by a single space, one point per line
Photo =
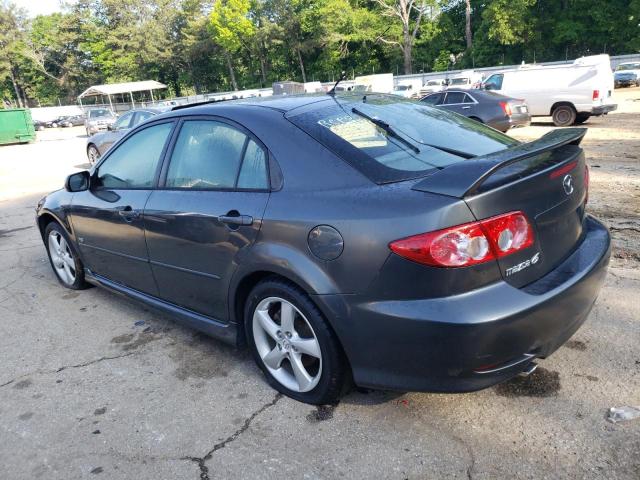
x=231 y=29
x=467 y=24
x=410 y=14
x=12 y=44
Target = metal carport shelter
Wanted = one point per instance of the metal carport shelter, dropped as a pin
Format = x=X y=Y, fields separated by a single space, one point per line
x=119 y=88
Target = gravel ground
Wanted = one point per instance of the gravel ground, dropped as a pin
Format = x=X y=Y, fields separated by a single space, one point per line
x=95 y=386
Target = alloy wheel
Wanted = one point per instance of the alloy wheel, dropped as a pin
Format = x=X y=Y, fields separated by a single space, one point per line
x=93 y=155
x=62 y=259
x=287 y=344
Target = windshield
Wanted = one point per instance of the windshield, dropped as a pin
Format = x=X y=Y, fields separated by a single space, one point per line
x=401 y=139
x=459 y=81
x=628 y=66
x=401 y=88
x=434 y=82
x=103 y=112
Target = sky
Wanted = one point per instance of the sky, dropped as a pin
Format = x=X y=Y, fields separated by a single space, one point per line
x=39 y=7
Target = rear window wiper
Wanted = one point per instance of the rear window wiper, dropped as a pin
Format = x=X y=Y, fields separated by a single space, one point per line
x=391 y=132
x=387 y=128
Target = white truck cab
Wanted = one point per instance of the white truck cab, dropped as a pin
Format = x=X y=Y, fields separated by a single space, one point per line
x=569 y=93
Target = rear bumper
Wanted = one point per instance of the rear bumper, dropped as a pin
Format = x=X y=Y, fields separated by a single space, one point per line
x=515 y=121
x=603 y=109
x=474 y=340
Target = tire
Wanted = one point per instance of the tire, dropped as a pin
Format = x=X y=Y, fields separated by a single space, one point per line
x=564 y=115
x=310 y=344
x=63 y=257
x=582 y=118
x=476 y=119
x=93 y=154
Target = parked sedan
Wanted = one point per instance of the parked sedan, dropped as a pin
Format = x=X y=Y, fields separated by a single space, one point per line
x=342 y=237
x=497 y=111
x=72 y=121
x=99 y=143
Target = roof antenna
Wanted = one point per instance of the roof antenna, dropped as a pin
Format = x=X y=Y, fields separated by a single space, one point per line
x=343 y=76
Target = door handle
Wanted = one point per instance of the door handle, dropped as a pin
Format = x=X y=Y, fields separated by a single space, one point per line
x=128 y=213
x=236 y=219
x=466 y=108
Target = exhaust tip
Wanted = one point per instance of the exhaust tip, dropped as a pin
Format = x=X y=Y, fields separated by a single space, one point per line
x=529 y=369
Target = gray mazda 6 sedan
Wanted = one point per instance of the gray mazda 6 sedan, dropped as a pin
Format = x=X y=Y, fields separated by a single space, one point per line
x=362 y=239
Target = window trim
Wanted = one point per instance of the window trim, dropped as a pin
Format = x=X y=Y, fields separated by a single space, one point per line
x=154 y=184
x=474 y=102
x=162 y=181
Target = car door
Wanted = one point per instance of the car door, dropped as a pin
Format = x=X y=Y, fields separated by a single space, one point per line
x=108 y=219
x=206 y=212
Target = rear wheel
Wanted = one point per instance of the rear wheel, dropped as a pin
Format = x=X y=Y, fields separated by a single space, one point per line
x=581 y=118
x=93 y=154
x=64 y=261
x=564 y=115
x=292 y=343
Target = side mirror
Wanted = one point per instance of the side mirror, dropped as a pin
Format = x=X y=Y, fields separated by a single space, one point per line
x=78 y=182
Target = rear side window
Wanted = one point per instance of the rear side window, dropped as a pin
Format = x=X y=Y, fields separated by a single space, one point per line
x=133 y=164
x=454 y=98
x=212 y=155
x=430 y=138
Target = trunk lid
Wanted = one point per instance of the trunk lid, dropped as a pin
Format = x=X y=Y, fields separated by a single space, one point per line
x=545 y=179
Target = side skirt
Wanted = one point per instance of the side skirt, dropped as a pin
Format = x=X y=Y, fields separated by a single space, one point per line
x=227 y=332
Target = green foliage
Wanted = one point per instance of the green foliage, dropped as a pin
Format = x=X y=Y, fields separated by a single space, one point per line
x=197 y=46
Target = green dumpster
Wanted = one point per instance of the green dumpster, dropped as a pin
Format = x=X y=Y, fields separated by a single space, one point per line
x=16 y=126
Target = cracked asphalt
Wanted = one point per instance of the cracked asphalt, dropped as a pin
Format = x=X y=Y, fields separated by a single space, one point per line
x=93 y=385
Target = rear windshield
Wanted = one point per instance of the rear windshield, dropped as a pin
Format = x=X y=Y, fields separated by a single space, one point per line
x=430 y=138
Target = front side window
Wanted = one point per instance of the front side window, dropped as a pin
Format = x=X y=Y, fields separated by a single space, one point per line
x=213 y=155
x=123 y=122
x=432 y=99
x=494 y=82
x=134 y=162
x=142 y=116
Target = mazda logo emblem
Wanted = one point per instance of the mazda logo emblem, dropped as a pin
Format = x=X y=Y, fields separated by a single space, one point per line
x=567 y=184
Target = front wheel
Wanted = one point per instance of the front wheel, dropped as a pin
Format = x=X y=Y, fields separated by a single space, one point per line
x=293 y=344
x=93 y=154
x=64 y=260
x=563 y=116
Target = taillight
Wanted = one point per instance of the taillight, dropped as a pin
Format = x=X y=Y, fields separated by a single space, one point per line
x=468 y=244
x=506 y=107
x=596 y=94
x=586 y=183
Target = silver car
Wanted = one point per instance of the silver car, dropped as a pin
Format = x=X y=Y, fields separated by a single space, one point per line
x=99 y=143
x=97 y=119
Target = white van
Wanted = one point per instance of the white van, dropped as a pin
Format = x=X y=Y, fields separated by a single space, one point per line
x=465 y=80
x=570 y=93
x=380 y=83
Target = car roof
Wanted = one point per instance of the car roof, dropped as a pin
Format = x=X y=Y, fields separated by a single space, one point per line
x=281 y=103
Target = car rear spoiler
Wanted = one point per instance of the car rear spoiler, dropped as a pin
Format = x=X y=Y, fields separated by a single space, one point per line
x=464 y=178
